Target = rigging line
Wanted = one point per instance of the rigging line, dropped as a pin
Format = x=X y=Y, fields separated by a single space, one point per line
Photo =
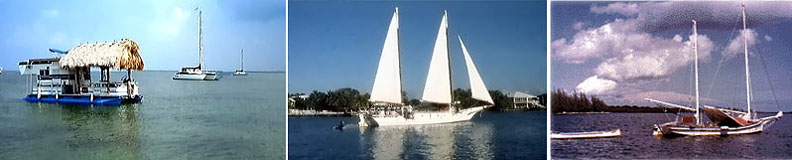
x=722 y=59
x=772 y=89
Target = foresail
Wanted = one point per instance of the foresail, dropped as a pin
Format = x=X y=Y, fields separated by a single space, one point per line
x=477 y=87
x=387 y=83
x=438 y=80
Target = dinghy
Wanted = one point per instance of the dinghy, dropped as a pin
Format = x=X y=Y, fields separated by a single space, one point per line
x=582 y=135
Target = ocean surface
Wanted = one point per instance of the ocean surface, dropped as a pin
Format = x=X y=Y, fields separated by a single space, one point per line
x=234 y=118
x=490 y=135
x=637 y=140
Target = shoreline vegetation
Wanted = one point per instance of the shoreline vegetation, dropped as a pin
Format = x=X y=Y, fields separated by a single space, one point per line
x=580 y=103
x=348 y=101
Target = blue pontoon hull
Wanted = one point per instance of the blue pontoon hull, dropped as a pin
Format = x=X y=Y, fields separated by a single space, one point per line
x=84 y=100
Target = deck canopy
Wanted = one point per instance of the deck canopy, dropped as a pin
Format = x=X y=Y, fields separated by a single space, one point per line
x=122 y=55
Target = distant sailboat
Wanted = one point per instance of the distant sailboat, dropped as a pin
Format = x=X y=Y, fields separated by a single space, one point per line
x=724 y=121
x=197 y=73
x=241 y=70
x=386 y=94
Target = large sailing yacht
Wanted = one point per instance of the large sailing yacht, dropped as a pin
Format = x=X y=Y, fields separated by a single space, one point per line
x=386 y=95
x=198 y=72
x=724 y=121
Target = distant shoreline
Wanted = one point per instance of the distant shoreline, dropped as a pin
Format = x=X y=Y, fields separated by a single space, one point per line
x=112 y=71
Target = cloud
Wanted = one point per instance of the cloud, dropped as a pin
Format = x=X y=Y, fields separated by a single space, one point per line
x=171 y=24
x=661 y=16
x=629 y=53
x=736 y=46
x=768 y=38
x=595 y=85
x=617 y=8
x=579 y=25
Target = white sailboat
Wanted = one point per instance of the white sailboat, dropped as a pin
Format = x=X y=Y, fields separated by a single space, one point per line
x=197 y=73
x=241 y=70
x=386 y=94
x=724 y=121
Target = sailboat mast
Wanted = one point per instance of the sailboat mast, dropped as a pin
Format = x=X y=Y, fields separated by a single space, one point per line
x=242 y=59
x=695 y=52
x=448 y=50
x=747 y=70
x=398 y=49
x=200 y=40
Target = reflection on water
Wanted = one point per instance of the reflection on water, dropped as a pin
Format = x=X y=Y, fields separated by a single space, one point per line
x=491 y=136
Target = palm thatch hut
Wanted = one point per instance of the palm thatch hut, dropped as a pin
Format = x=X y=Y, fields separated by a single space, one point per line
x=121 y=55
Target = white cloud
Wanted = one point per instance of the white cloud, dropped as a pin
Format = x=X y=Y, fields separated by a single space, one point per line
x=579 y=25
x=768 y=38
x=171 y=24
x=630 y=54
x=595 y=85
x=736 y=46
x=617 y=8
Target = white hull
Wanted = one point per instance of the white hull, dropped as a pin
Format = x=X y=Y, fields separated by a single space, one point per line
x=580 y=135
x=240 y=74
x=671 y=130
x=204 y=76
x=419 y=118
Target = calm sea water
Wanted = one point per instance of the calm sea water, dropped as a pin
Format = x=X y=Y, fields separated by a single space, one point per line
x=491 y=135
x=234 y=118
x=637 y=140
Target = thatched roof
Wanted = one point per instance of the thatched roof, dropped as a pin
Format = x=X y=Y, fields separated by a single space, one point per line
x=117 y=55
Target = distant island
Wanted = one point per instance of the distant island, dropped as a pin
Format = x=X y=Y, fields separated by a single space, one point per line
x=345 y=101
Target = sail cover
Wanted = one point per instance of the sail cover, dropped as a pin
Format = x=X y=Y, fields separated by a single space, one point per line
x=438 y=80
x=477 y=87
x=722 y=119
x=387 y=83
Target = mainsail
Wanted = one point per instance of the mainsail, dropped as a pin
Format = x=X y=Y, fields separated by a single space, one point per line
x=477 y=87
x=387 y=83
x=438 y=80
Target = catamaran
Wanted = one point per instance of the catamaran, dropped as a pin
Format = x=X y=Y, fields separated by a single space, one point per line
x=386 y=95
x=724 y=121
x=198 y=72
x=67 y=79
x=241 y=70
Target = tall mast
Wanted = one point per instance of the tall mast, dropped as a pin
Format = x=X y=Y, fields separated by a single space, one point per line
x=695 y=52
x=747 y=70
x=200 y=40
x=398 y=53
x=242 y=59
x=448 y=48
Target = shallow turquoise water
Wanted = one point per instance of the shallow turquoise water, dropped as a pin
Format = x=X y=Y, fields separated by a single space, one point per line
x=234 y=118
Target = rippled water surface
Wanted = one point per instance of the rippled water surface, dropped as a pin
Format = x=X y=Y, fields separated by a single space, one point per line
x=491 y=135
x=637 y=140
x=234 y=118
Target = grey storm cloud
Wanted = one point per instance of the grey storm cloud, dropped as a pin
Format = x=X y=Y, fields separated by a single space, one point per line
x=721 y=15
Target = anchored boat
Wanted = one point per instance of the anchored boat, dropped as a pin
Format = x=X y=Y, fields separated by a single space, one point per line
x=241 y=70
x=386 y=95
x=582 y=135
x=67 y=79
x=198 y=72
x=724 y=121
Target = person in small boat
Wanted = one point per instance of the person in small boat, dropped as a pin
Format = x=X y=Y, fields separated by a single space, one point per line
x=340 y=126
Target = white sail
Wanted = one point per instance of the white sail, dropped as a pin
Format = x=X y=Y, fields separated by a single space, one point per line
x=387 y=83
x=438 y=80
x=477 y=87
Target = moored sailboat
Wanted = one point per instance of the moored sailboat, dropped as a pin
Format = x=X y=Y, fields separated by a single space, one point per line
x=198 y=72
x=241 y=70
x=724 y=121
x=388 y=109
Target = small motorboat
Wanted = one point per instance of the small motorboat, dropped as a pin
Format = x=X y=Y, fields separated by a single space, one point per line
x=581 y=135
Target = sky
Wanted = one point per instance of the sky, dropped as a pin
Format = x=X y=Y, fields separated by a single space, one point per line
x=624 y=52
x=335 y=45
x=166 y=31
